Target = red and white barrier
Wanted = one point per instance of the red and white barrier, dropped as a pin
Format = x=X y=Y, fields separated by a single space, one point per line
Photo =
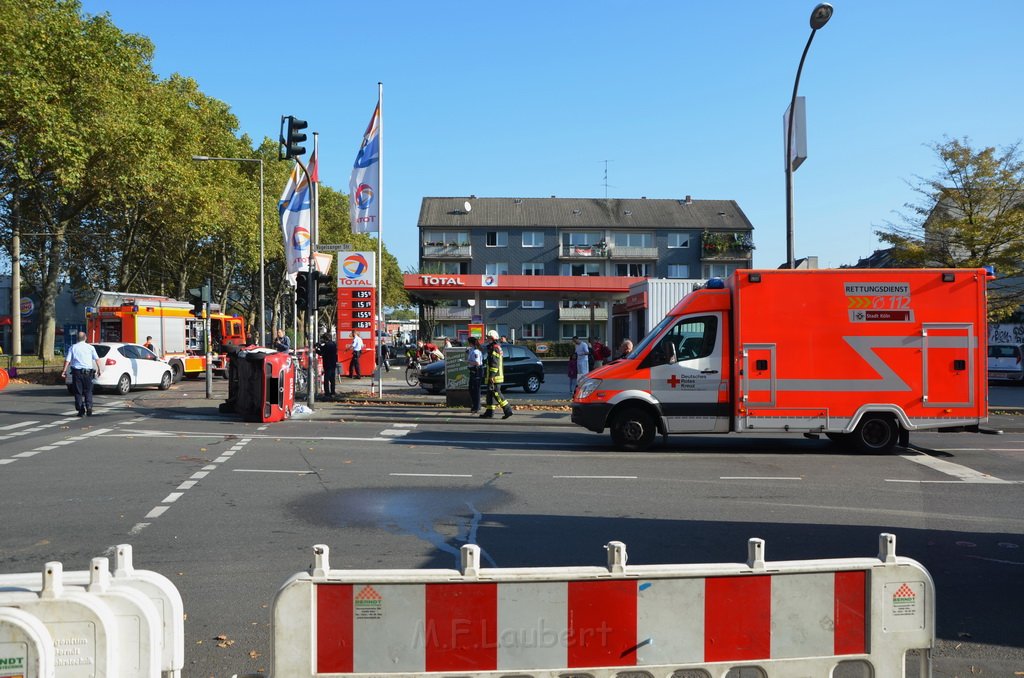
x=790 y=618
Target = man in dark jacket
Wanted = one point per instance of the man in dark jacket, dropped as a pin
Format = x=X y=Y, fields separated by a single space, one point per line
x=328 y=351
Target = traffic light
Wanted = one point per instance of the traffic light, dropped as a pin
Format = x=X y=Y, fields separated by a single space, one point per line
x=200 y=297
x=292 y=137
x=326 y=290
x=302 y=288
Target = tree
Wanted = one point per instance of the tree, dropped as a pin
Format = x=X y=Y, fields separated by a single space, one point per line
x=971 y=215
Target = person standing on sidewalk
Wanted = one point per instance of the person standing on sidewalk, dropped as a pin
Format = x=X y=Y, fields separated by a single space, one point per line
x=328 y=350
x=475 y=360
x=354 y=368
x=81 y=360
x=495 y=376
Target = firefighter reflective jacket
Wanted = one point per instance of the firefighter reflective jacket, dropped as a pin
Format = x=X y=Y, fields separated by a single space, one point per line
x=495 y=363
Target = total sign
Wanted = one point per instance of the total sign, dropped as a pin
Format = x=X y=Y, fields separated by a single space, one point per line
x=356 y=269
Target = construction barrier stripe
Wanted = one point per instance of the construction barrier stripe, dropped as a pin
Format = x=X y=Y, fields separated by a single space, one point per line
x=415 y=628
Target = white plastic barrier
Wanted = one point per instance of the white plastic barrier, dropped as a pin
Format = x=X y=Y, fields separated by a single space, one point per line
x=158 y=589
x=787 y=618
x=82 y=627
x=26 y=648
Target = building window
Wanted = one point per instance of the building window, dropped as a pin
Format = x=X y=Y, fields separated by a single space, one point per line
x=533 y=239
x=581 y=237
x=533 y=331
x=496 y=268
x=677 y=240
x=570 y=330
x=496 y=303
x=446 y=238
x=678 y=271
x=533 y=269
x=581 y=269
x=718 y=270
x=633 y=270
x=497 y=238
x=629 y=239
x=533 y=304
x=453 y=267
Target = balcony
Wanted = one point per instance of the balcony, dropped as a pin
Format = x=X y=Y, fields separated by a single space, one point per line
x=583 y=252
x=433 y=250
x=727 y=246
x=732 y=254
x=633 y=253
x=449 y=313
x=583 y=314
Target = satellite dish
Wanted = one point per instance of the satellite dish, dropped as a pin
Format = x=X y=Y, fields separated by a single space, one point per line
x=469 y=208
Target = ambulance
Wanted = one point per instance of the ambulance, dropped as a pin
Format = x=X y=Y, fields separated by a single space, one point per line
x=177 y=334
x=862 y=356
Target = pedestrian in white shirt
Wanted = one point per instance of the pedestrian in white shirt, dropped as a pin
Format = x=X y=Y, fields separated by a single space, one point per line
x=582 y=357
x=81 y=360
x=357 y=352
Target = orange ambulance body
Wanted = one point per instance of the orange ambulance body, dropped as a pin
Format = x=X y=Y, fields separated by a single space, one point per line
x=863 y=356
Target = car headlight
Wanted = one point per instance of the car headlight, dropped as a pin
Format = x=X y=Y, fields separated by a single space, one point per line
x=587 y=386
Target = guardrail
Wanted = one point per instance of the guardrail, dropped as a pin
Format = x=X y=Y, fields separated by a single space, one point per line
x=786 y=618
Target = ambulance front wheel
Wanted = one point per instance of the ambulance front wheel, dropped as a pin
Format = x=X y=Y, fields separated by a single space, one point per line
x=876 y=434
x=633 y=429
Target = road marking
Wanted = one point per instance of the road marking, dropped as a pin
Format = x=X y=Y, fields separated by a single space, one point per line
x=759 y=478
x=172 y=497
x=199 y=475
x=157 y=511
x=394 y=432
x=26 y=455
x=7 y=461
x=46 y=448
x=138 y=527
x=188 y=485
x=597 y=477
x=406 y=425
x=432 y=475
x=261 y=470
x=962 y=473
x=11 y=427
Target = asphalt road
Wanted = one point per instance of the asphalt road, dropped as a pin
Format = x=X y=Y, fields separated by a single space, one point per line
x=229 y=510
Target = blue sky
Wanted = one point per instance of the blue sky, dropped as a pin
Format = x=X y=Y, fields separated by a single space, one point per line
x=528 y=99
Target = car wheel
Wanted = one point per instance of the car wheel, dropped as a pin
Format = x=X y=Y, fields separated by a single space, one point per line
x=124 y=384
x=875 y=434
x=633 y=430
x=177 y=371
x=165 y=381
x=532 y=384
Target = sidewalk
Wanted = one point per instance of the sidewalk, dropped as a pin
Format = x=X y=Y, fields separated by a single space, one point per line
x=357 y=400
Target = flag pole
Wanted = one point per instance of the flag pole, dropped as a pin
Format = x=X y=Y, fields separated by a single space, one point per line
x=380 y=241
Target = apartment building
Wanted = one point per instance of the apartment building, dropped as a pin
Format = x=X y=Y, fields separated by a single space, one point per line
x=565 y=240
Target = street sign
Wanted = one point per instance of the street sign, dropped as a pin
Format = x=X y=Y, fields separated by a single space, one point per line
x=333 y=248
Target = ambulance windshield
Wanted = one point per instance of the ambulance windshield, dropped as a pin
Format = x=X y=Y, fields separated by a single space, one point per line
x=654 y=334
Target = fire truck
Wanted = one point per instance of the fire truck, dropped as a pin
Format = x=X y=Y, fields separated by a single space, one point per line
x=860 y=356
x=177 y=333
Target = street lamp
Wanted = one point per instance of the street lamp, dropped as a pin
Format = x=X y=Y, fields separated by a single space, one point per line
x=819 y=17
x=263 y=307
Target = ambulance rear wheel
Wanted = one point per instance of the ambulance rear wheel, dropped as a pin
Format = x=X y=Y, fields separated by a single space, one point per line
x=633 y=429
x=875 y=434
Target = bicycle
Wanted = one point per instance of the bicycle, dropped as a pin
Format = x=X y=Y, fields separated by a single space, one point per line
x=412 y=372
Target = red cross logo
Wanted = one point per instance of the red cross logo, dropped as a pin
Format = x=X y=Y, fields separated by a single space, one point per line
x=673 y=382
